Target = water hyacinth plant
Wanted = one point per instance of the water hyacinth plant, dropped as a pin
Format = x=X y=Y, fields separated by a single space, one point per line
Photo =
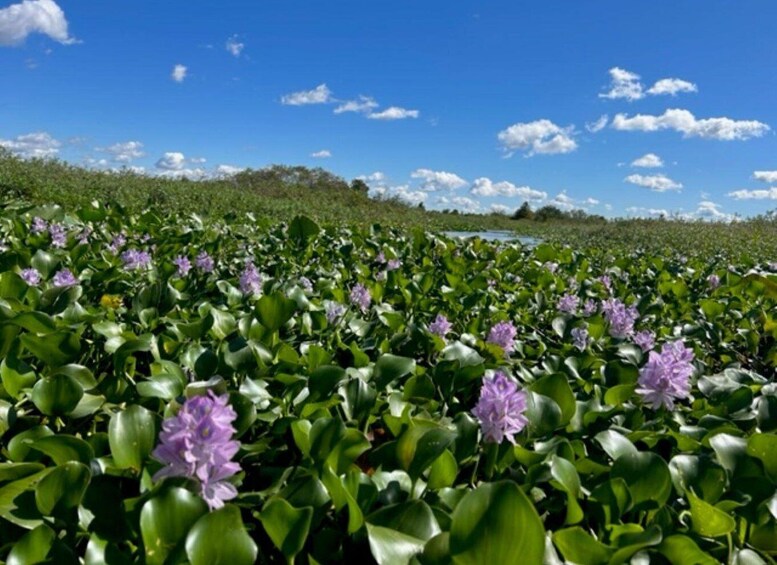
x=500 y=409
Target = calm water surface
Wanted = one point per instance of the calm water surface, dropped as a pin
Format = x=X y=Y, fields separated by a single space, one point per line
x=494 y=236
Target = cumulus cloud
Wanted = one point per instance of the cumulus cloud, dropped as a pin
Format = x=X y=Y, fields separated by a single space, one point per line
x=179 y=73
x=234 y=46
x=319 y=95
x=765 y=176
x=377 y=178
x=708 y=210
x=656 y=183
x=124 y=152
x=623 y=84
x=363 y=105
x=760 y=194
x=17 y=21
x=228 y=170
x=438 y=180
x=683 y=121
x=394 y=113
x=171 y=161
x=403 y=192
x=499 y=209
x=468 y=204
x=591 y=201
x=648 y=161
x=323 y=154
x=598 y=125
x=647 y=212
x=563 y=201
x=484 y=186
x=37 y=145
x=538 y=137
x=672 y=86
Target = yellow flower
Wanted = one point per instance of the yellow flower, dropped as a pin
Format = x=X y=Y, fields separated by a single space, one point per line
x=110 y=301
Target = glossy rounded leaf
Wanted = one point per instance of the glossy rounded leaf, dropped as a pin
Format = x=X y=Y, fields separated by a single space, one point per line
x=132 y=435
x=220 y=537
x=166 y=519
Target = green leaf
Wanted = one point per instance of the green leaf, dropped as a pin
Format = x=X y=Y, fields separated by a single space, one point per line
x=323 y=380
x=557 y=387
x=764 y=448
x=19 y=446
x=220 y=538
x=287 y=526
x=32 y=547
x=274 y=310
x=414 y=518
x=578 y=546
x=57 y=395
x=707 y=520
x=302 y=228
x=44 y=263
x=54 y=349
x=390 y=368
x=443 y=471
x=165 y=520
x=390 y=547
x=647 y=476
x=63 y=448
x=16 y=375
x=62 y=488
x=495 y=523
x=132 y=435
x=682 y=550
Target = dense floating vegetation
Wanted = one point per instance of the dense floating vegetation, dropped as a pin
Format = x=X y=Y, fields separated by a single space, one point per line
x=180 y=389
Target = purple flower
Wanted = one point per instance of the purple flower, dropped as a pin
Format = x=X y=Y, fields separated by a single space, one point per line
x=31 y=277
x=666 y=376
x=360 y=297
x=441 y=326
x=645 y=339
x=620 y=317
x=58 y=235
x=197 y=444
x=568 y=303
x=250 y=279
x=380 y=258
x=64 y=278
x=135 y=260
x=503 y=334
x=334 y=311
x=714 y=281
x=550 y=266
x=393 y=264
x=306 y=284
x=204 y=262
x=500 y=409
x=590 y=307
x=183 y=264
x=84 y=234
x=117 y=243
x=580 y=338
x=38 y=226
x=381 y=276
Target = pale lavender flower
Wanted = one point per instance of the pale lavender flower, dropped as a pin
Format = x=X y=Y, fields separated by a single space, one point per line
x=39 y=225
x=713 y=281
x=197 y=443
x=500 y=409
x=84 y=235
x=135 y=260
x=118 y=242
x=568 y=303
x=380 y=276
x=590 y=307
x=580 y=338
x=551 y=266
x=441 y=326
x=58 y=235
x=64 y=277
x=31 y=277
x=620 y=317
x=666 y=376
x=380 y=258
x=645 y=339
x=393 y=264
x=183 y=264
x=503 y=334
x=250 y=279
x=145 y=238
x=334 y=311
x=606 y=282
x=306 y=284
x=360 y=297
x=204 y=262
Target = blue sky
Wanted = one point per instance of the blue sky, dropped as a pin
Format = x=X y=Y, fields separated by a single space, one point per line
x=468 y=105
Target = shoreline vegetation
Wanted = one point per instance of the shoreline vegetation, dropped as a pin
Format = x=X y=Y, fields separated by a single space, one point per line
x=279 y=193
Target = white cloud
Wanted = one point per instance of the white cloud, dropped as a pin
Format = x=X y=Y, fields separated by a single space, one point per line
x=657 y=183
x=234 y=46
x=394 y=113
x=179 y=73
x=375 y=179
x=765 y=176
x=410 y=196
x=468 y=204
x=608 y=207
x=648 y=161
x=538 y=137
x=647 y=212
x=598 y=125
x=499 y=209
x=590 y=201
x=125 y=152
x=710 y=211
x=484 y=186
x=37 y=145
x=563 y=201
x=17 y=21
x=438 y=180
x=623 y=84
x=672 y=86
x=323 y=154
x=228 y=170
x=198 y=160
x=171 y=161
x=685 y=122
x=364 y=104
x=761 y=194
x=319 y=95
